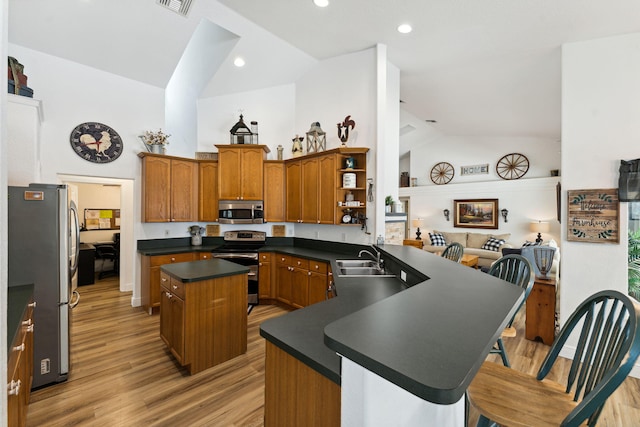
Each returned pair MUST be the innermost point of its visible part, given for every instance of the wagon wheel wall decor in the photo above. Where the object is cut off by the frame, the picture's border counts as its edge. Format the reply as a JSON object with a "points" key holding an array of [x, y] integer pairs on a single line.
{"points": [[442, 173], [512, 166]]}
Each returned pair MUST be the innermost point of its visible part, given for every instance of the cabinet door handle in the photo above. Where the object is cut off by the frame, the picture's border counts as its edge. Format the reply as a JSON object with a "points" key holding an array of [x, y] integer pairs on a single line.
{"points": [[26, 322], [169, 295], [259, 264], [205, 257], [174, 287], [164, 279], [19, 347], [32, 304], [173, 259], [308, 273], [14, 388], [299, 263], [30, 328]]}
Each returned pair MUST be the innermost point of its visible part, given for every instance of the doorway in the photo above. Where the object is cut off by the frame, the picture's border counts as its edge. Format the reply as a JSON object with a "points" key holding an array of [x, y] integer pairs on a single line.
{"points": [[127, 240]]}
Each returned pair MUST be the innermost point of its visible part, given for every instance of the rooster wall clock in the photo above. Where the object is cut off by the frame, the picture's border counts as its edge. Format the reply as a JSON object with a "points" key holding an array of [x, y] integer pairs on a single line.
{"points": [[96, 142]]}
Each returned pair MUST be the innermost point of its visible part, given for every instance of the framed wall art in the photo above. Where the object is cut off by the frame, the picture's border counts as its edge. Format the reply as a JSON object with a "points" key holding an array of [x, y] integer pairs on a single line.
{"points": [[593, 216], [476, 213], [474, 169]]}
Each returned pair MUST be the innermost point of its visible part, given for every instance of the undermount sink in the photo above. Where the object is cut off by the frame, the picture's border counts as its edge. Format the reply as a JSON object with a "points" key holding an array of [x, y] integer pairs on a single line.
{"points": [[355, 263], [360, 268]]}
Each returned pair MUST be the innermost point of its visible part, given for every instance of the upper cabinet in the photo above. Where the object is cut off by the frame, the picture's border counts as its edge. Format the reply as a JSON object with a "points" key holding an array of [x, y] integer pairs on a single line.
{"points": [[240, 171], [169, 188], [208, 191], [274, 191]]}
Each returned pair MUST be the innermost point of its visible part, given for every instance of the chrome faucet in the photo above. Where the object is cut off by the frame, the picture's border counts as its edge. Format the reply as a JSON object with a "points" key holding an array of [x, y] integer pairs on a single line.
{"points": [[375, 257]]}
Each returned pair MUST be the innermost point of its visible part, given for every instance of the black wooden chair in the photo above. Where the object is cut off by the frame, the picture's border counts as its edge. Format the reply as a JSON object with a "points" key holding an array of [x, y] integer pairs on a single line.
{"points": [[453, 252], [606, 351], [514, 269]]}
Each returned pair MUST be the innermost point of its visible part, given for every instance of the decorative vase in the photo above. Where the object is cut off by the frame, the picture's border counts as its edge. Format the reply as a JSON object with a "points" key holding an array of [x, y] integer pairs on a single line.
{"points": [[157, 148], [196, 240]]}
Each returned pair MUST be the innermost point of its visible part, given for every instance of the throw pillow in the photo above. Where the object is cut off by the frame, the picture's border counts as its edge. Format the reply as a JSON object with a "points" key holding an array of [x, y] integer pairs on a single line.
{"points": [[528, 243], [437, 239], [493, 244]]}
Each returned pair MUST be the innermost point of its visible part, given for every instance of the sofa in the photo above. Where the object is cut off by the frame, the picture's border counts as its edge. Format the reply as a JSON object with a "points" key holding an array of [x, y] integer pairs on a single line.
{"points": [[472, 243]]}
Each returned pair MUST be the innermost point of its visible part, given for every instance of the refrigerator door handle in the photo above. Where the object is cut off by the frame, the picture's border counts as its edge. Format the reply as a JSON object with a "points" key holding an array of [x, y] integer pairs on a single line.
{"points": [[74, 214], [73, 303]]}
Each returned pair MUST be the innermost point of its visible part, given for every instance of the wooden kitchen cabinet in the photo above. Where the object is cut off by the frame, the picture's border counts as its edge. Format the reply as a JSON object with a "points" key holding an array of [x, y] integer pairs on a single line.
{"points": [[172, 315], [20, 365], [297, 395], [318, 281], [150, 276], [208, 191], [293, 185], [240, 171], [274, 204], [299, 282], [284, 280], [204, 323], [310, 189], [169, 188], [266, 271], [359, 192]]}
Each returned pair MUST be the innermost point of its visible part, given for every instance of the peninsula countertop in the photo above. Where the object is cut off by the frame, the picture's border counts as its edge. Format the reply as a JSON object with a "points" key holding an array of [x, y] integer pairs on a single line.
{"points": [[195, 271], [429, 339]]}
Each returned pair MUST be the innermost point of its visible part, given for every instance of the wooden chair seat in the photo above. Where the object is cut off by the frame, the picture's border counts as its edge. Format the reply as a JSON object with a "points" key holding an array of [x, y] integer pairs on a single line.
{"points": [[509, 332], [513, 398]]}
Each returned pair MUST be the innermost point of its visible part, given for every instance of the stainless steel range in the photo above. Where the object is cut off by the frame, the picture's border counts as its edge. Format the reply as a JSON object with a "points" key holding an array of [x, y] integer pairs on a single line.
{"points": [[241, 247]]}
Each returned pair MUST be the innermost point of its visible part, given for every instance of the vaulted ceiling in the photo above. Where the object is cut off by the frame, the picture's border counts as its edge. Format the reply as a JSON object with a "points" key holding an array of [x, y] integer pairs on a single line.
{"points": [[489, 67]]}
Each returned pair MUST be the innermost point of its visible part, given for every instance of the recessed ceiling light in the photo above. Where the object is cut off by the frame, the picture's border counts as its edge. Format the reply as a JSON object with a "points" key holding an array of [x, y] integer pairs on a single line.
{"points": [[321, 3], [404, 28], [238, 62]]}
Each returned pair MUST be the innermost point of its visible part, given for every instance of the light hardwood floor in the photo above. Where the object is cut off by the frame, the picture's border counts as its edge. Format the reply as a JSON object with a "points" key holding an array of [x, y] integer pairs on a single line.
{"points": [[122, 374]]}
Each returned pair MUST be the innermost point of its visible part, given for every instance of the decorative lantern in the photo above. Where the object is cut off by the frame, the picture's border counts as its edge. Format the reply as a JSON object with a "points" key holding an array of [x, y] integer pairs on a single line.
{"points": [[316, 138], [240, 133]]}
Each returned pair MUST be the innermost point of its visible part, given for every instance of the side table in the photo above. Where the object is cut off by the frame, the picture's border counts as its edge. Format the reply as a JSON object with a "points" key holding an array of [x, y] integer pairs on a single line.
{"points": [[541, 311], [470, 260]]}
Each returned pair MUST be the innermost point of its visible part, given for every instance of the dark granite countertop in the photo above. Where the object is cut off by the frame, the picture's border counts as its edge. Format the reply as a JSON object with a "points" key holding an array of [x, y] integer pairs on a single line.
{"points": [[17, 299], [195, 271], [428, 336]]}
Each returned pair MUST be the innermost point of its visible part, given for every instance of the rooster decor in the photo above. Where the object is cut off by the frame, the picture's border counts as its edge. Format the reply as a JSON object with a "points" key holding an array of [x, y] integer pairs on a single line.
{"points": [[344, 126]]}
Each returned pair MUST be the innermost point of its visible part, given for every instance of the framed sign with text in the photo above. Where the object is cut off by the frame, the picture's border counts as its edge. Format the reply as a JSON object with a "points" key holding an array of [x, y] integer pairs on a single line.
{"points": [[593, 216]]}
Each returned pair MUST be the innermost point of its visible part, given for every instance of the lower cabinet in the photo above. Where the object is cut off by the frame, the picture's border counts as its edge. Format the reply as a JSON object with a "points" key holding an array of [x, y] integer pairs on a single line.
{"points": [[150, 276], [266, 271], [204, 323], [297, 395], [299, 281], [20, 370]]}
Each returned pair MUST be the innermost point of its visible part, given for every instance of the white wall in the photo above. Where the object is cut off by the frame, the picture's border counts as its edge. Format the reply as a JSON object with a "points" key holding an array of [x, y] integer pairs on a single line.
{"points": [[526, 199], [600, 126]]}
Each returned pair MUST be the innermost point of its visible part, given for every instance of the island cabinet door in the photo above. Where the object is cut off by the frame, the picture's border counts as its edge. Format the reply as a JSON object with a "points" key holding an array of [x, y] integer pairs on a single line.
{"points": [[318, 281], [172, 320]]}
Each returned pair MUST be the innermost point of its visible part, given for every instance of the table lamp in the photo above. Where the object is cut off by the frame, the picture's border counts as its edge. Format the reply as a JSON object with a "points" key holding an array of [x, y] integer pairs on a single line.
{"points": [[539, 227], [417, 223]]}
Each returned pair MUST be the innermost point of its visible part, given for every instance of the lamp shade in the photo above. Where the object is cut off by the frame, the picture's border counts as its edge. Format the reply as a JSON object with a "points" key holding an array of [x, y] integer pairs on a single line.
{"points": [[539, 227], [416, 222]]}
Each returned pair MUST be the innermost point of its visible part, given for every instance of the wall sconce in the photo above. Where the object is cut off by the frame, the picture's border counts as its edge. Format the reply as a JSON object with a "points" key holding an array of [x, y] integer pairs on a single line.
{"points": [[417, 223], [446, 214], [504, 213]]}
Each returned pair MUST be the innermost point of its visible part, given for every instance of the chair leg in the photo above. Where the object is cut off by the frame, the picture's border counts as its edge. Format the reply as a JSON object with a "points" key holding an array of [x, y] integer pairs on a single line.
{"points": [[503, 353], [484, 422]]}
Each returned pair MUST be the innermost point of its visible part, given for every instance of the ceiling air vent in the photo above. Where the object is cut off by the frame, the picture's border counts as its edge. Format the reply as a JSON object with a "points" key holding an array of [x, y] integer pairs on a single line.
{"points": [[178, 6]]}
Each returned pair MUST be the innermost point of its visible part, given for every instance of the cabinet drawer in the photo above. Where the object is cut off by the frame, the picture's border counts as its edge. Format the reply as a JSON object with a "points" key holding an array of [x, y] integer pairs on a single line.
{"points": [[302, 263], [171, 258], [177, 287], [165, 281], [283, 259], [318, 267], [265, 256]]}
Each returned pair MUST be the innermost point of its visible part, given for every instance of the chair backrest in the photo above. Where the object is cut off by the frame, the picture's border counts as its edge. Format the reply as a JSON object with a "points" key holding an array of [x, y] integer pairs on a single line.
{"points": [[608, 347], [515, 269], [106, 251], [453, 252]]}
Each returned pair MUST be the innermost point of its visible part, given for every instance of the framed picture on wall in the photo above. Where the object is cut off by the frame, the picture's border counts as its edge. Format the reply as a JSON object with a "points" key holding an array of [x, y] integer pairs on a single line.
{"points": [[475, 213]]}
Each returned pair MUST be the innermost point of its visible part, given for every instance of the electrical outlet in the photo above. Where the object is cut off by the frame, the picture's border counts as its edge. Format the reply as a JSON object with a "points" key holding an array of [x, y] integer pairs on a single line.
{"points": [[344, 237], [166, 233], [317, 234], [45, 366], [403, 275]]}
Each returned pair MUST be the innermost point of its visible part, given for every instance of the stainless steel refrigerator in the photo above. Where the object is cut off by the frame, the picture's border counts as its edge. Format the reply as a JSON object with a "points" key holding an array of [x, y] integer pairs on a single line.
{"points": [[43, 250]]}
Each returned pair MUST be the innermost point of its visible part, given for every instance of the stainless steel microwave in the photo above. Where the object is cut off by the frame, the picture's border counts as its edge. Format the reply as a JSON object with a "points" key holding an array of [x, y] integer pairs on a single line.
{"points": [[240, 212]]}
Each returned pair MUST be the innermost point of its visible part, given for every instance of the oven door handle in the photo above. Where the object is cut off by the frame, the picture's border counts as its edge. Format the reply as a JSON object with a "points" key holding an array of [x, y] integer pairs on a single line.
{"points": [[237, 256]]}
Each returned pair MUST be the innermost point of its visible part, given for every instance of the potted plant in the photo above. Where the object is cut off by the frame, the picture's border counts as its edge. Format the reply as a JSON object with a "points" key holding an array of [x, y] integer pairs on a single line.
{"points": [[155, 141], [388, 202], [634, 264]]}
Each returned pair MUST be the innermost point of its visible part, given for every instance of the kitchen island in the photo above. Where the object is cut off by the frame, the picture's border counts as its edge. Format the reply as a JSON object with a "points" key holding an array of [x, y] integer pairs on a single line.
{"points": [[203, 312], [428, 339]]}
